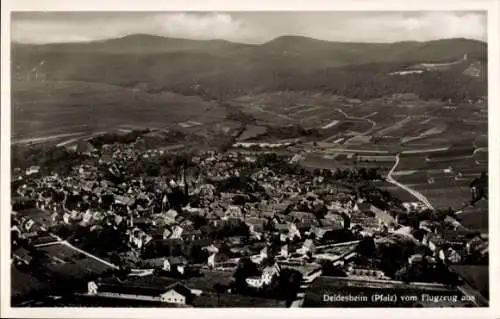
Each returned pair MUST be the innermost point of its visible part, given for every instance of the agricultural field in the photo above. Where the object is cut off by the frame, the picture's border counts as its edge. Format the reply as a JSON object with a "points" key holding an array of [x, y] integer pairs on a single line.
{"points": [[61, 107], [443, 194], [68, 260], [252, 131], [396, 191], [344, 161], [476, 217], [61, 252]]}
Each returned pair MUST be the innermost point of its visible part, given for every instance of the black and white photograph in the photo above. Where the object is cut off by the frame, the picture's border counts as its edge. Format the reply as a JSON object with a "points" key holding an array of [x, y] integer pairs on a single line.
{"points": [[248, 159]]}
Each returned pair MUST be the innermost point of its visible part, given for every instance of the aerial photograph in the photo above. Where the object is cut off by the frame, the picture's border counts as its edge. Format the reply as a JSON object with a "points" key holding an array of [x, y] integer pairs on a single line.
{"points": [[249, 159]]}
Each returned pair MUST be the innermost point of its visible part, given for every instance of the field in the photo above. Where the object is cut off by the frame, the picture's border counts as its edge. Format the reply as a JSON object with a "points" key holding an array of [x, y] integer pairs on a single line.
{"points": [[252, 131], [68, 261], [476, 217], [61, 107], [397, 192], [343, 161], [209, 279]]}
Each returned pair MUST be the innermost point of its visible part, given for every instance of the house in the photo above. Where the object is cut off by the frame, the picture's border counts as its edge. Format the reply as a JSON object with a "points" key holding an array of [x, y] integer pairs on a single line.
{"points": [[256, 224], [473, 244], [233, 212], [118, 220], [268, 274], [149, 288], [211, 249], [362, 273], [166, 263], [124, 200], [178, 262], [178, 294], [264, 252], [177, 232], [428, 226], [433, 241], [284, 251], [32, 170], [413, 206], [191, 234], [255, 282], [179, 219], [216, 258], [170, 216], [450, 255], [235, 240], [187, 224], [139, 238], [303, 217], [163, 233], [307, 247], [383, 217], [281, 228]]}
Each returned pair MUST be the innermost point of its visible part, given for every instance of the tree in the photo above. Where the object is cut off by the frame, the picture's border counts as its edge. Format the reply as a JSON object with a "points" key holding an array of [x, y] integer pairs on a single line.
{"points": [[328, 174], [363, 174], [337, 174], [288, 284], [328, 269], [317, 172], [246, 268], [367, 247], [372, 173]]}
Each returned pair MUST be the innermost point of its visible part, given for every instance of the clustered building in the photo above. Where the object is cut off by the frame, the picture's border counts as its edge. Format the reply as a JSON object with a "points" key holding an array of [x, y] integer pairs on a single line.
{"points": [[209, 214]]}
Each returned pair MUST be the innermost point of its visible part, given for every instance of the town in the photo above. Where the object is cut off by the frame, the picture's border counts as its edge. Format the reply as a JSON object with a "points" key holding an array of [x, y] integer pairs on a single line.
{"points": [[116, 220]]}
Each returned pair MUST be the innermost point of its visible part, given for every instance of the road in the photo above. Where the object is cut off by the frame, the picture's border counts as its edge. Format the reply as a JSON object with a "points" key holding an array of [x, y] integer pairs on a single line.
{"points": [[282, 116], [364, 118], [416, 194], [348, 117]]}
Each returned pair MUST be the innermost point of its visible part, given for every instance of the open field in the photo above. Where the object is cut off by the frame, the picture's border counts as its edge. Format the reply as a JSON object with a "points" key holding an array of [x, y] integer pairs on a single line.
{"points": [[445, 196], [476, 217], [67, 260], [343, 161], [60, 107]]}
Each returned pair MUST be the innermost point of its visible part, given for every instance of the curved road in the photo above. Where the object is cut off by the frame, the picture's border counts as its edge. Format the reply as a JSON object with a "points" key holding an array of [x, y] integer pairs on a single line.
{"points": [[418, 195], [348, 117], [364, 118]]}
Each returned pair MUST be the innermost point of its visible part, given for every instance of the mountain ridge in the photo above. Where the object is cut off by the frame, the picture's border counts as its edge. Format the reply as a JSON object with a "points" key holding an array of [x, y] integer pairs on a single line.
{"points": [[217, 68], [278, 38]]}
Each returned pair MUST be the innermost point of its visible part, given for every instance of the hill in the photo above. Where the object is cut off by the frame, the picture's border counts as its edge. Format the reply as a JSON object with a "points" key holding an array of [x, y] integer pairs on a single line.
{"points": [[219, 69], [136, 44]]}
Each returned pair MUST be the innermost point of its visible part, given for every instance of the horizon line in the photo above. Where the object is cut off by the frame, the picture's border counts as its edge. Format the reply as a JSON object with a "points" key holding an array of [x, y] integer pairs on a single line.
{"points": [[236, 42]]}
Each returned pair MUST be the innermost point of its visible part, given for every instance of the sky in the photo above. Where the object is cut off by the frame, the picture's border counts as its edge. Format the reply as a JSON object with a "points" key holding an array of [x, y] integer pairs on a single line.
{"points": [[249, 27]]}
